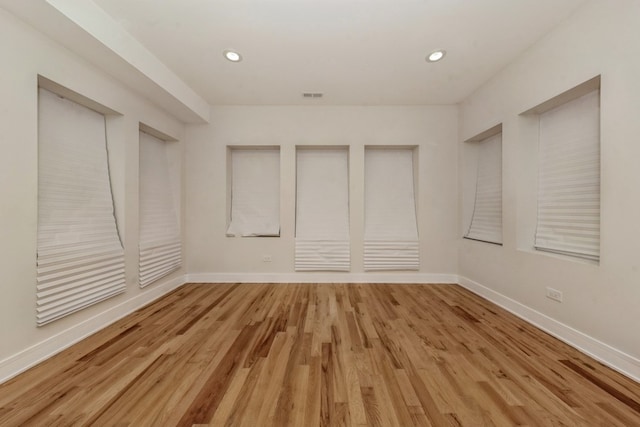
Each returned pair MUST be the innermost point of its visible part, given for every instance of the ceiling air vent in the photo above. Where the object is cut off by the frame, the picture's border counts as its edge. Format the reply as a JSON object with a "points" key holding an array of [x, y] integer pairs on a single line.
{"points": [[312, 95]]}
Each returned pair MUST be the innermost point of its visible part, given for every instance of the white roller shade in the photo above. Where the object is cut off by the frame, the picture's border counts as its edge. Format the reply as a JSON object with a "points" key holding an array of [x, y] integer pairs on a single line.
{"points": [[255, 192], [322, 210], [569, 179], [486, 222], [80, 259], [160, 245], [391, 231]]}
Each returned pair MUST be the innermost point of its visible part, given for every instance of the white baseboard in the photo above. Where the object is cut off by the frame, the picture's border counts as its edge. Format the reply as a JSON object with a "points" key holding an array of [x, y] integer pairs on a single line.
{"points": [[612, 357], [20, 362], [322, 277], [604, 353]]}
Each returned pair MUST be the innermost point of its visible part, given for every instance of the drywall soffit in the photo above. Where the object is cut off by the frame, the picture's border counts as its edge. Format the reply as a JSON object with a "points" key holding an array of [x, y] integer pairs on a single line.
{"points": [[84, 28]]}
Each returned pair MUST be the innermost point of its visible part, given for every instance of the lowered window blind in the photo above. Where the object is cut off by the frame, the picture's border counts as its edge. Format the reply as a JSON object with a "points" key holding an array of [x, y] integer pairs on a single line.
{"points": [[160, 244], [391, 231], [322, 210], [255, 192], [80, 259], [486, 222], [569, 179]]}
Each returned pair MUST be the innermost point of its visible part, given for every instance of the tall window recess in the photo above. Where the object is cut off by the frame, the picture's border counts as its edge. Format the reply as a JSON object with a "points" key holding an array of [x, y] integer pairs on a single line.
{"points": [[486, 220], [80, 259], [160, 247], [391, 231], [322, 210], [255, 192], [569, 179]]}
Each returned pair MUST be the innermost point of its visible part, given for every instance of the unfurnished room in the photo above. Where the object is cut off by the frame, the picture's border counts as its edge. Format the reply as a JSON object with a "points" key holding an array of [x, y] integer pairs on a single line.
{"points": [[320, 213]]}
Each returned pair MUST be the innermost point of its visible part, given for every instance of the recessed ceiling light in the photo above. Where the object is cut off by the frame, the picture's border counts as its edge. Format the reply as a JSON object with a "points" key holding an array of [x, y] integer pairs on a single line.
{"points": [[436, 55], [232, 55]]}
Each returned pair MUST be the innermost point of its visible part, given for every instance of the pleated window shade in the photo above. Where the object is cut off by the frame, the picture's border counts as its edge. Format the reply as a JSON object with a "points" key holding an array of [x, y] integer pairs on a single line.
{"points": [[322, 210], [391, 231], [80, 259], [569, 179], [160, 245], [255, 192], [486, 222]]}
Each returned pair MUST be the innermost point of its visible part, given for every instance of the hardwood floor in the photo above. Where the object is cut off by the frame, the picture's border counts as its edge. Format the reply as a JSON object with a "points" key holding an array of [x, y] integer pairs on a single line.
{"points": [[315, 355]]}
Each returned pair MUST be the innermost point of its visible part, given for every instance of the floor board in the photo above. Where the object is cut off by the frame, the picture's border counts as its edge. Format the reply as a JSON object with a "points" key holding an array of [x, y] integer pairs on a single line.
{"points": [[320, 355]]}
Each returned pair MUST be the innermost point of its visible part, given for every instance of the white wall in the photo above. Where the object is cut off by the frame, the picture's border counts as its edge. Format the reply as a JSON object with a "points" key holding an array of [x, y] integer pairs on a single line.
{"points": [[601, 301], [26, 53], [432, 129]]}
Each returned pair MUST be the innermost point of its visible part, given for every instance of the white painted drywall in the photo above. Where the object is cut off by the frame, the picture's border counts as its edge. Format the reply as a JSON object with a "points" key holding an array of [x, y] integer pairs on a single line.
{"points": [[26, 53], [432, 129], [602, 300]]}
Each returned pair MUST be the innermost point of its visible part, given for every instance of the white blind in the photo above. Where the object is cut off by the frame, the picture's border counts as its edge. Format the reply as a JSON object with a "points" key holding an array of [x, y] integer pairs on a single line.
{"points": [[569, 179], [80, 259], [160, 247], [486, 222], [322, 210], [255, 192], [391, 231]]}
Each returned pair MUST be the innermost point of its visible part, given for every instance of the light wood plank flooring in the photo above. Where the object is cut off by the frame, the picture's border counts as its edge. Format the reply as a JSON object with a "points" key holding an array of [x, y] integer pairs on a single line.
{"points": [[315, 355]]}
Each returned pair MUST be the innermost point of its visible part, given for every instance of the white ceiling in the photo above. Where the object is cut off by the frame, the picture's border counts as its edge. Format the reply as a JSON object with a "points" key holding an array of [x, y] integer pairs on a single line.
{"points": [[362, 52]]}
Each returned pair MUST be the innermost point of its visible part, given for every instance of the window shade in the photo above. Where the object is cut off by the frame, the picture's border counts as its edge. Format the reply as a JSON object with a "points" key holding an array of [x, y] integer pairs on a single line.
{"points": [[80, 259], [569, 179], [391, 232], [160, 247], [486, 222], [322, 210], [255, 192]]}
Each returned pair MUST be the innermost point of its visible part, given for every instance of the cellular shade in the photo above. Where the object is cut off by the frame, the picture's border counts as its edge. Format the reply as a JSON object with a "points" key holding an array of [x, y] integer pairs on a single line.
{"points": [[486, 221], [322, 210], [160, 247], [391, 231], [569, 179], [80, 259], [255, 192]]}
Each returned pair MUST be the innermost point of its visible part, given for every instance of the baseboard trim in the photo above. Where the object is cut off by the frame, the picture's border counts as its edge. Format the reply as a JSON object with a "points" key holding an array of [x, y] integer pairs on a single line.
{"points": [[604, 353], [20, 362], [303, 277]]}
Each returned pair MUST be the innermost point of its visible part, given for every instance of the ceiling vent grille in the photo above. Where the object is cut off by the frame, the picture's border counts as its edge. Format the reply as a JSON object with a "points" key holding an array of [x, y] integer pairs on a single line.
{"points": [[312, 95]]}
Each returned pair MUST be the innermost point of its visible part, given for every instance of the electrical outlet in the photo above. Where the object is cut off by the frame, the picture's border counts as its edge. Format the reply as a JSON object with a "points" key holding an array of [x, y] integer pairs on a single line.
{"points": [[266, 258], [554, 294]]}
